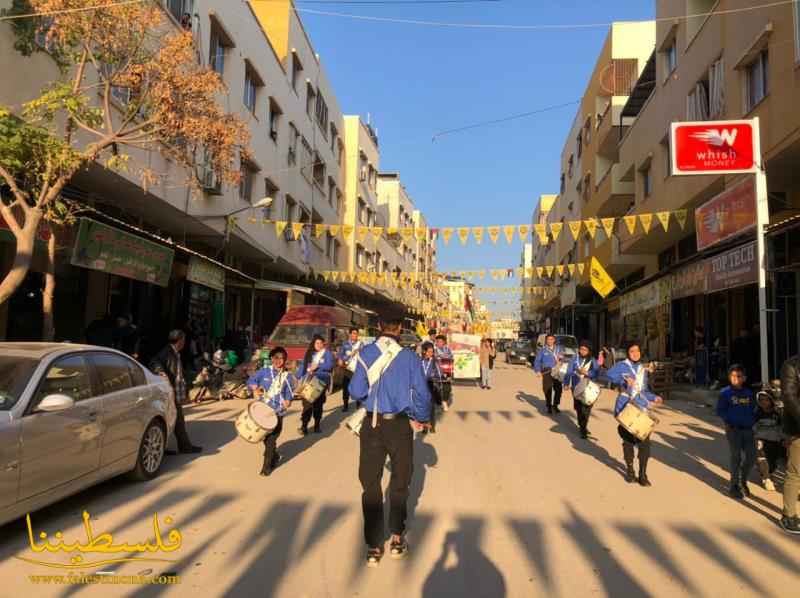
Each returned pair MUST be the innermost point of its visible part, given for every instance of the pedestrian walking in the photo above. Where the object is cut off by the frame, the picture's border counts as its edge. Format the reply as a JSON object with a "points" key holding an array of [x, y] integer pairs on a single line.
{"points": [[317, 363], [582, 366], [547, 359], [347, 360], [790, 394], [487, 354], [390, 380], [770, 438], [433, 375], [631, 377], [737, 408], [168, 364], [273, 385]]}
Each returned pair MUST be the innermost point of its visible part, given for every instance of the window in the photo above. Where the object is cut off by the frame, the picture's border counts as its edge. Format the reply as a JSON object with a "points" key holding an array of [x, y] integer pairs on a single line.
{"points": [[331, 191], [218, 44], [181, 9], [137, 375], [563, 183], [291, 204], [297, 70], [360, 257], [321, 112], [270, 190], [294, 135], [670, 58], [318, 171], [340, 155], [370, 218], [587, 130], [328, 244], [274, 115], [67, 376], [311, 96], [40, 36], [647, 182], [587, 187], [667, 157], [246, 184], [337, 245], [570, 166], [339, 201], [249, 92], [579, 142], [334, 135], [113, 372], [757, 80], [306, 159], [362, 211]]}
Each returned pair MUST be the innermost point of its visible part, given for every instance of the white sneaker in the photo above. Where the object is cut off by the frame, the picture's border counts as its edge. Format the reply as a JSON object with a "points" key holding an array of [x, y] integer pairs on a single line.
{"points": [[769, 485]]}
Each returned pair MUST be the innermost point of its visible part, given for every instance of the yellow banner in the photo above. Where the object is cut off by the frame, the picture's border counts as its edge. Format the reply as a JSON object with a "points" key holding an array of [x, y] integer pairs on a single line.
{"points": [[601, 281], [477, 232], [539, 271], [524, 231], [421, 232], [351, 276], [560, 269], [541, 232], [463, 234], [377, 232], [407, 233], [446, 234], [481, 274], [297, 228], [326, 275], [647, 221], [630, 222], [280, 227], [575, 228], [581, 268], [363, 231], [663, 218], [529, 272], [333, 229], [347, 230], [319, 229], [494, 233], [555, 229], [495, 274], [571, 268], [335, 276], [392, 230], [509, 231], [680, 216], [591, 226], [549, 270], [608, 226]]}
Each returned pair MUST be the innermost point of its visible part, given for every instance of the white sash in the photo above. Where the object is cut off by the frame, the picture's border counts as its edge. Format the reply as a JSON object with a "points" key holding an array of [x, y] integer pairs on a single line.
{"points": [[317, 357], [639, 385], [277, 384], [389, 349]]}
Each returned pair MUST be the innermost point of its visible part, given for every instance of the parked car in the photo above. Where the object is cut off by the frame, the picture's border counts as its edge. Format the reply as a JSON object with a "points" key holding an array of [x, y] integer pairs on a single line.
{"points": [[72, 416], [520, 351], [567, 342]]}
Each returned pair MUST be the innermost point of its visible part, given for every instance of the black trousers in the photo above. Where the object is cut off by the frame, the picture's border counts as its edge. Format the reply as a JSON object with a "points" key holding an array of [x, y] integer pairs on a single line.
{"points": [[436, 396], [181, 435], [552, 390], [346, 389], [271, 446], [583, 411], [315, 411], [393, 437], [629, 441]]}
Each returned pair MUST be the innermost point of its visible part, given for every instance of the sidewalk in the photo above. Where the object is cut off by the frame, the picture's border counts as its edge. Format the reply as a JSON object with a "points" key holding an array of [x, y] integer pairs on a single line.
{"points": [[697, 394]]}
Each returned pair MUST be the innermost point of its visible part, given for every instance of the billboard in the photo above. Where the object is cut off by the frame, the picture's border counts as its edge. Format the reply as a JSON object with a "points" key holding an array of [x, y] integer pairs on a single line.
{"points": [[713, 147]]}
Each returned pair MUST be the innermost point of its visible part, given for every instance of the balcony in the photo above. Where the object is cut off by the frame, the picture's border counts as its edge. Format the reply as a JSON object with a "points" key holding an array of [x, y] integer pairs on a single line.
{"points": [[612, 196], [610, 128], [617, 264]]}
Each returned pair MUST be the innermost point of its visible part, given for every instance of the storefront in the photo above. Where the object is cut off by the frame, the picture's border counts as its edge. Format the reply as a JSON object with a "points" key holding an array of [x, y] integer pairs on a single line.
{"points": [[689, 285], [646, 317], [784, 260]]}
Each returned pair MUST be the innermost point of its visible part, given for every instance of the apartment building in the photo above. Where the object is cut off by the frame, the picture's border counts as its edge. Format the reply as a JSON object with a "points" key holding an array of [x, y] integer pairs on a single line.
{"points": [[728, 65], [227, 272], [539, 305]]}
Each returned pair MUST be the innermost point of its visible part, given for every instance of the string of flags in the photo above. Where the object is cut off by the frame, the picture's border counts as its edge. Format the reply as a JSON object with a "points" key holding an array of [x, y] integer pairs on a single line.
{"points": [[545, 233]]}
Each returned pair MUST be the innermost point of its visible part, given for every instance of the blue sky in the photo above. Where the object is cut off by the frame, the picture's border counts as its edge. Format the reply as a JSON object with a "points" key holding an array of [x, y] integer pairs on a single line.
{"points": [[416, 81]]}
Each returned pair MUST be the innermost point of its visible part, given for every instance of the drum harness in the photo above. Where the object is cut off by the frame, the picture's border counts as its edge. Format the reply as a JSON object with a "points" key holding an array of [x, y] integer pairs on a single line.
{"points": [[389, 349], [277, 384], [639, 376]]}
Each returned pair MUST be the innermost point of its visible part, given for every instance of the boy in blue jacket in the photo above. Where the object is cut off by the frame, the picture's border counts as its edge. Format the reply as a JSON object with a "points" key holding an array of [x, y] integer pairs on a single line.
{"points": [[737, 408], [547, 359], [583, 365]]}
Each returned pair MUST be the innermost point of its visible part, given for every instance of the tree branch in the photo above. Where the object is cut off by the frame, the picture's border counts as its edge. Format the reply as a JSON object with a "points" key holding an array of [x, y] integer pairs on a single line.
{"points": [[19, 199], [48, 170]]}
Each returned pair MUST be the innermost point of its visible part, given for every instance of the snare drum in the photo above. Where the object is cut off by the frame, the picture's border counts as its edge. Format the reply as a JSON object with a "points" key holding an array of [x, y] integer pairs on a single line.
{"points": [[560, 372], [255, 422], [637, 421], [587, 392], [310, 389]]}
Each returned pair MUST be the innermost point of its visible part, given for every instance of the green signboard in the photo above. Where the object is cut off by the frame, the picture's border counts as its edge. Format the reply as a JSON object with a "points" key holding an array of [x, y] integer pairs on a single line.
{"points": [[107, 249]]}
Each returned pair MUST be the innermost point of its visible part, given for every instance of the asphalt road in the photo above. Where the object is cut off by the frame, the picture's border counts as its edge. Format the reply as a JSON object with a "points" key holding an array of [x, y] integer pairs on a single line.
{"points": [[506, 501]]}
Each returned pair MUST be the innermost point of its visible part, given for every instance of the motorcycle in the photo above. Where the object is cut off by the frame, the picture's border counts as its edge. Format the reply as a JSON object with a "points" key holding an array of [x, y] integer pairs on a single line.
{"points": [[211, 378], [446, 367]]}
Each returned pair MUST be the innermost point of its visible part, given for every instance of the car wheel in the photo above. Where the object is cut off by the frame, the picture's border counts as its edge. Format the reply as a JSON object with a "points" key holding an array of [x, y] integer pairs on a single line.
{"points": [[151, 452]]}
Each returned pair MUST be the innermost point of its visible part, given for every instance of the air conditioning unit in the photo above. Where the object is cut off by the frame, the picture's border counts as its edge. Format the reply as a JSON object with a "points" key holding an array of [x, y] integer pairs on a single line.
{"points": [[210, 182]]}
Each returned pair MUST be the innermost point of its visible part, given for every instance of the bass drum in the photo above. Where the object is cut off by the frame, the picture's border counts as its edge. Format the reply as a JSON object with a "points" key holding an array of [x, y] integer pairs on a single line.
{"points": [[560, 372], [587, 392], [255, 422]]}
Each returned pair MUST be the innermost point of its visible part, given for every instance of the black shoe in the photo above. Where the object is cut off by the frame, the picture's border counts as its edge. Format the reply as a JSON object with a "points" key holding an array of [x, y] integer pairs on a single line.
{"points": [[584, 434], [630, 475], [746, 490], [556, 409], [791, 525], [549, 409], [275, 461], [643, 481], [374, 556], [345, 409], [303, 430], [190, 450], [736, 491], [317, 430], [398, 550], [265, 472]]}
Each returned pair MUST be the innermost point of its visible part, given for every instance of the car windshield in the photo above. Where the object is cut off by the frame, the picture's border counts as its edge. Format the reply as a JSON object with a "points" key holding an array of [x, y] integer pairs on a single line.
{"points": [[15, 372], [567, 342], [296, 335], [521, 345]]}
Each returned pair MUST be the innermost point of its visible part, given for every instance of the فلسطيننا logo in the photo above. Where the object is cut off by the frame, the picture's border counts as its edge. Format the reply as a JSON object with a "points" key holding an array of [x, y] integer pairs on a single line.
{"points": [[100, 544]]}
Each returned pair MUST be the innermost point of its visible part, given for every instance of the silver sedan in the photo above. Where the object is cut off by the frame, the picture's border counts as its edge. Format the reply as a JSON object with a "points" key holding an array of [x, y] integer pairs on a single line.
{"points": [[72, 416]]}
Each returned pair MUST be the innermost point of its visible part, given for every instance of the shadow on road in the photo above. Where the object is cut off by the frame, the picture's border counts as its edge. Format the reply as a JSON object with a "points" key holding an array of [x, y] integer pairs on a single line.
{"points": [[473, 573], [533, 401], [331, 422]]}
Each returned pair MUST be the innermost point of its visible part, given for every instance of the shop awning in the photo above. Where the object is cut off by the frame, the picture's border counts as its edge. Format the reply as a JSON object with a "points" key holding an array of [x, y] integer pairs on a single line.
{"points": [[272, 285]]}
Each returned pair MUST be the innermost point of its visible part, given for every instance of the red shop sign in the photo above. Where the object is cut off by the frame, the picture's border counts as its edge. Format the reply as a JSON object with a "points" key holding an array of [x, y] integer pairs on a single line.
{"points": [[714, 147], [730, 213]]}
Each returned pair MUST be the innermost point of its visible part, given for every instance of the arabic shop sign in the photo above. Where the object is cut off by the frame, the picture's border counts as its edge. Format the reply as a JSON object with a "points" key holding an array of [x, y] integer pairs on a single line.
{"points": [[644, 298], [205, 273], [734, 268], [691, 280], [107, 249], [99, 549]]}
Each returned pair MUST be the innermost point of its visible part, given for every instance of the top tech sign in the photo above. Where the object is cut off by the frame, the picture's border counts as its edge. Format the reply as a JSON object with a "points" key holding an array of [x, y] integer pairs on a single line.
{"points": [[714, 147]]}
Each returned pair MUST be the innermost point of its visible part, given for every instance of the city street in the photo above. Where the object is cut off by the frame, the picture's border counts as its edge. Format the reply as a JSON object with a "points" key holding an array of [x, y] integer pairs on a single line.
{"points": [[505, 501]]}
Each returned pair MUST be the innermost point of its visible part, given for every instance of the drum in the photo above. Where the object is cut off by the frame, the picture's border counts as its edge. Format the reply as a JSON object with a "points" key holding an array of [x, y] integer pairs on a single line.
{"points": [[587, 392], [310, 390], [637, 421], [355, 421], [560, 372], [352, 363], [255, 422]]}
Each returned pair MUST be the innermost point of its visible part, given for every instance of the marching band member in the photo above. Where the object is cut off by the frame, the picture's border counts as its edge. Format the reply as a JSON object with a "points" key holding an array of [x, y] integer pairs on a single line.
{"points": [[441, 350], [348, 352], [433, 374], [273, 385], [631, 377], [391, 382], [318, 363], [547, 359], [583, 365]]}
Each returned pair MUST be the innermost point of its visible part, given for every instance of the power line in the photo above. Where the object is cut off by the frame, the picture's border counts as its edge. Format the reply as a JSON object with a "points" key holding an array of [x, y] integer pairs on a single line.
{"points": [[505, 119], [539, 27], [64, 11]]}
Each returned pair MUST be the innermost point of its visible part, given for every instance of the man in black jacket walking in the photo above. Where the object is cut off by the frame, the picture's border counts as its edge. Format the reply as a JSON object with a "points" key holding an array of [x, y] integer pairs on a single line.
{"points": [[169, 365], [790, 393]]}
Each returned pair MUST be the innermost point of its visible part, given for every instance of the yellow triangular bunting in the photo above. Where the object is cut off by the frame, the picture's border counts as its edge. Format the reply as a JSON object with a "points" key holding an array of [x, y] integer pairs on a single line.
{"points": [[446, 234], [509, 231], [608, 226], [591, 226], [555, 229], [575, 228], [524, 231], [280, 226], [477, 232], [494, 233], [630, 223], [647, 221], [680, 216], [463, 235], [663, 218]]}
